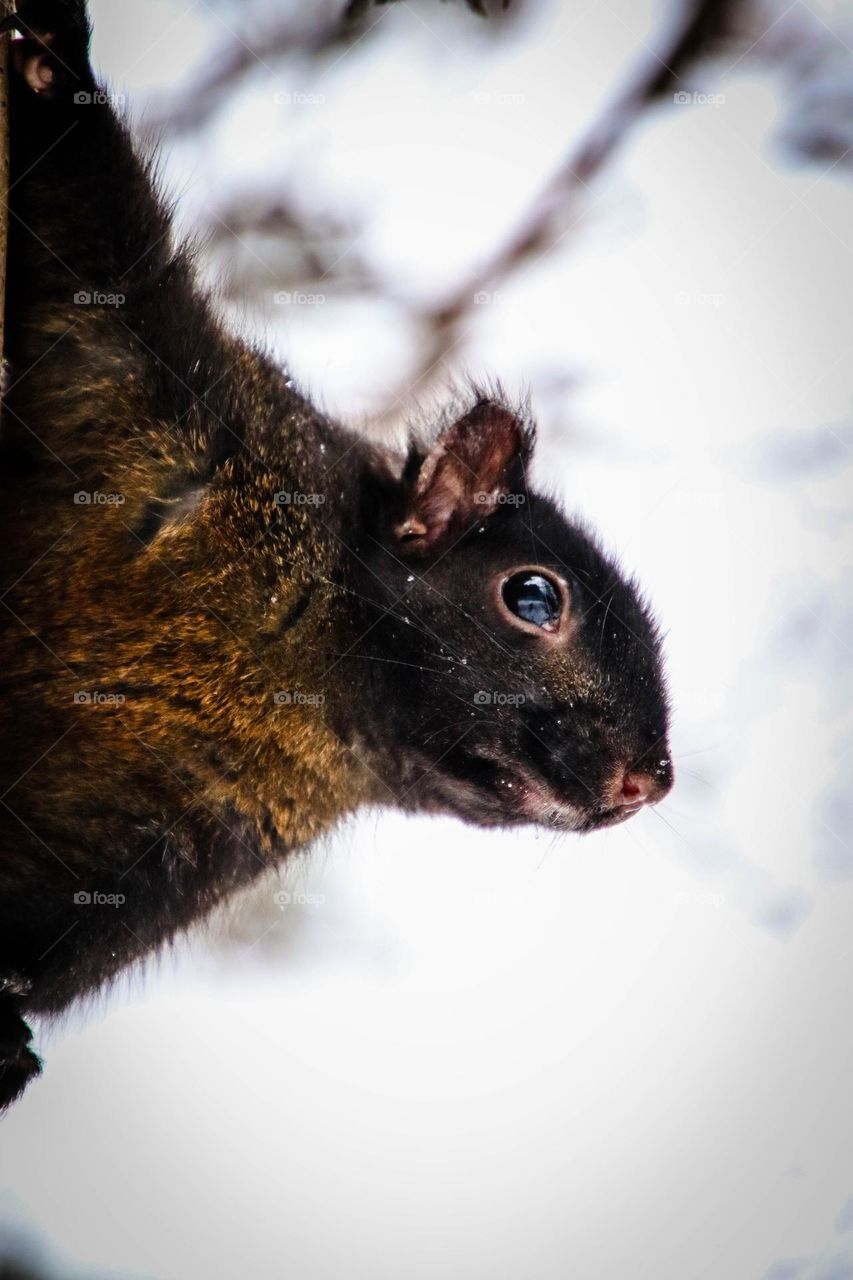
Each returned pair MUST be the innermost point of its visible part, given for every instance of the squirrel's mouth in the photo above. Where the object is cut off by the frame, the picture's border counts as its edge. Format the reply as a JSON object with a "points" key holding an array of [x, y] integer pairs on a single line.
{"points": [[483, 790], [541, 804]]}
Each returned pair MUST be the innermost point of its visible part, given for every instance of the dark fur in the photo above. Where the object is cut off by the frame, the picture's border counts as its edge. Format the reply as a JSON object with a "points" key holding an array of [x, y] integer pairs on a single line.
{"points": [[183, 610]]}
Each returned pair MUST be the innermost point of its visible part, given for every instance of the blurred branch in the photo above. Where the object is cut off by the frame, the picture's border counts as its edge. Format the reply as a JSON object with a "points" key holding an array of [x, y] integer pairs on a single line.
{"points": [[704, 26], [696, 33], [266, 36], [299, 249], [360, 7]]}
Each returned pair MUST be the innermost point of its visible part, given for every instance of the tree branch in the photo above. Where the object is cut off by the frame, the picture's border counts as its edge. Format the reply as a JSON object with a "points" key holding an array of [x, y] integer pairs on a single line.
{"points": [[705, 24]]}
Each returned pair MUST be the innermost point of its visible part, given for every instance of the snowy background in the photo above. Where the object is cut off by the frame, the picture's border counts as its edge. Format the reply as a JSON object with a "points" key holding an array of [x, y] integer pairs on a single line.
{"points": [[461, 1054]]}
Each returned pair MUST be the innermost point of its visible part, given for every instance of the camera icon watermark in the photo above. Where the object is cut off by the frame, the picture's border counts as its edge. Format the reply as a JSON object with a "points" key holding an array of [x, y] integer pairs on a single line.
{"points": [[287, 898], [99, 99], [298, 98], [97, 298], [484, 498], [697, 298], [298, 298], [83, 498], [96, 698], [683, 98], [496, 698], [700, 898], [83, 898], [287, 499], [497, 98], [297, 698]]}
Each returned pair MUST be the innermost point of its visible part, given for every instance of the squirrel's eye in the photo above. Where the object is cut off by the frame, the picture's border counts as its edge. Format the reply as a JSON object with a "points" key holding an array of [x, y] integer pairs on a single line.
{"points": [[533, 598]]}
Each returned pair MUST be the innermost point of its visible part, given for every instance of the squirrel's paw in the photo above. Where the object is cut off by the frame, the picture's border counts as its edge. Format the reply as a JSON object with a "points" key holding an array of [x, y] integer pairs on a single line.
{"points": [[18, 1064]]}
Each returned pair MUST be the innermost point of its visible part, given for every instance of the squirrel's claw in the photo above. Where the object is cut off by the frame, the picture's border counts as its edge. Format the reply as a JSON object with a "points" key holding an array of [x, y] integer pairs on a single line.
{"points": [[18, 1063]]}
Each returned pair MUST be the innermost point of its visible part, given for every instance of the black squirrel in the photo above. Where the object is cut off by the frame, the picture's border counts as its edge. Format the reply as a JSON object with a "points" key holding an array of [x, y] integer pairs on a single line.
{"points": [[229, 621]]}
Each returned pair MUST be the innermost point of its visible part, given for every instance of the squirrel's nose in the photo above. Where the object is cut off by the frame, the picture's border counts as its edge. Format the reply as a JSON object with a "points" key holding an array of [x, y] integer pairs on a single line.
{"points": [[637, 788]]}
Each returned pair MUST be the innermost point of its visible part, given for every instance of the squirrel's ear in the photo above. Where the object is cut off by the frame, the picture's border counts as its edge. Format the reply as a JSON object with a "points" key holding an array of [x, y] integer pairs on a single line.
{"points": [[471, 467], [51, 53]]}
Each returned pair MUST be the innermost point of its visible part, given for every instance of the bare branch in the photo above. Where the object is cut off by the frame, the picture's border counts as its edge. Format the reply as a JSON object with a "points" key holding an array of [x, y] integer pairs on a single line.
{"points": [[704, 25], [267, 38]]}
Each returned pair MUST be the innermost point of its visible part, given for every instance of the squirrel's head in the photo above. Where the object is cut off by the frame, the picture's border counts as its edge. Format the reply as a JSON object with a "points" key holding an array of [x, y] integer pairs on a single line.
{"points": [[510, 673]]}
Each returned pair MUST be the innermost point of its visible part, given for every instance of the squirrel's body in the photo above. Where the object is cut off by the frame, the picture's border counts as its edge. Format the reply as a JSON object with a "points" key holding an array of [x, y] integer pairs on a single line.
{"points": [[179, 794], [229, 621]]}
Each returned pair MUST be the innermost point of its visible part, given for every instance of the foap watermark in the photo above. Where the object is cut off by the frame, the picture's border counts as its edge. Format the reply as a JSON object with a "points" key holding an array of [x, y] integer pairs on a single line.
{"points": [[486, 498], [296, 499], [98, 698], [99, 99], [297, 698], [296, 898], [498, 98], [495, 698], [85, 498], [683, 98], [298, 98], [488, 298], [84, 898], [696, 298], [98, 298], [700, 898], [298, 298], [500, 897]]}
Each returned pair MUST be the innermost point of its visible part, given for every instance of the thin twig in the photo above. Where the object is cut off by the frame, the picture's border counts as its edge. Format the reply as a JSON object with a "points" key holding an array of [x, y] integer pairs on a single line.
{"points": [[704, 25]]}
